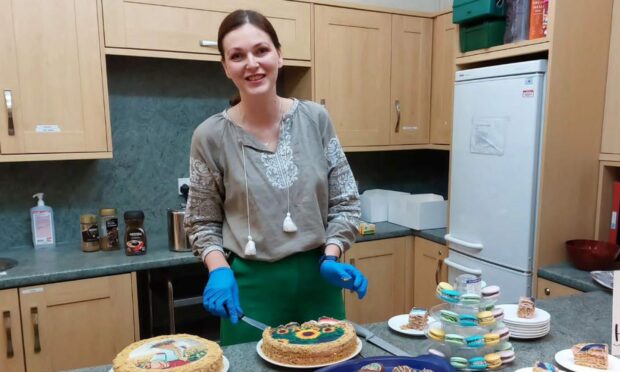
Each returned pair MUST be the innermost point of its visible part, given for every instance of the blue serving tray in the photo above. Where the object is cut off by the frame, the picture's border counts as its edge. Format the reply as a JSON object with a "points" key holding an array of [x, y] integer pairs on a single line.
{"points": [[432, 362]]}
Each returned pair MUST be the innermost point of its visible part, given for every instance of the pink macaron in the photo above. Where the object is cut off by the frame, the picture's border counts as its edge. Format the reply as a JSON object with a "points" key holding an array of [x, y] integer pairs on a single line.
{"points": [[490, 292], [507, 356], [498, 313], [504, 334]]}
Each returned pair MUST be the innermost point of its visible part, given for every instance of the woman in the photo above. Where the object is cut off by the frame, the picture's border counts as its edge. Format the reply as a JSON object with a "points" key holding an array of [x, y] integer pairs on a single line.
{"points": [[269, 183]]}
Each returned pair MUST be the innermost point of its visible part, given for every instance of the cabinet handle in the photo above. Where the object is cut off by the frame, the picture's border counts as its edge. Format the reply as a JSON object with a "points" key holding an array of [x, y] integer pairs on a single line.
{"points": [[8, 100], [322, 101], [208, 43], [9, 338], [548, 291], [171, 307], [397, 105], [34, 315], [352, 261], [438, 270]]}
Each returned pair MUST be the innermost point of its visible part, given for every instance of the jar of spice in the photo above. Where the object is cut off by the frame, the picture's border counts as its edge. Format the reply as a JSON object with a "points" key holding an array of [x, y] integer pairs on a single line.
{"points": [[108, 229], [90, 233], [135, 236]]}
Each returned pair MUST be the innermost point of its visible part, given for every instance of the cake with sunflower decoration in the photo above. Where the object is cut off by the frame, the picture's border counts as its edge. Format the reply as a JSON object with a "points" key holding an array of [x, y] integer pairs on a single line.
{"points": [[315, 342], [176, 353]]}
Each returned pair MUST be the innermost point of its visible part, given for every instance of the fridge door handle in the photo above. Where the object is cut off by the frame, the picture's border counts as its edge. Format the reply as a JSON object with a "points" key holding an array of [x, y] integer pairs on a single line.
{"points": [[464, 269], [463, 243]]}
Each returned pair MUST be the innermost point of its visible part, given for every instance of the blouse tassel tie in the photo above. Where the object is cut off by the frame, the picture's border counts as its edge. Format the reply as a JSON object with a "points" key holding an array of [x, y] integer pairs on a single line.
{"points": [[250, 246]]}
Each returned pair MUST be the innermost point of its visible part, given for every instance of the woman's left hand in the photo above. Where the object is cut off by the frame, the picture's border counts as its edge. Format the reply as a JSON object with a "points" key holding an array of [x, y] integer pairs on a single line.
{"points": [[344, 276]]}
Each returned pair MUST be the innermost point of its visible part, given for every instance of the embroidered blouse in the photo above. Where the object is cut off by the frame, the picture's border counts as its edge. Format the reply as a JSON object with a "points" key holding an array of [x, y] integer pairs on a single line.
{"points": [[307, 173]]}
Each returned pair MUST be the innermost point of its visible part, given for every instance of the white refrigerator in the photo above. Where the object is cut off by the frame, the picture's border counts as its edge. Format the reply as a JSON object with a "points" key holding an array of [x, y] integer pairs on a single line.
{"points": [[494, 173]]}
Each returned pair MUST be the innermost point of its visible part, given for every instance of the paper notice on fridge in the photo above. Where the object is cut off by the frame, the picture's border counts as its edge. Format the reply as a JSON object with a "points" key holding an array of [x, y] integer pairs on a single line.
{"points": [[488, 135], [615, 320]]}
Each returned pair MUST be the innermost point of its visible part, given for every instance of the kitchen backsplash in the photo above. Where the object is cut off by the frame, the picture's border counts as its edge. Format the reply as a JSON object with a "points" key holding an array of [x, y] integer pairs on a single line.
{"points": [[155, 104]]}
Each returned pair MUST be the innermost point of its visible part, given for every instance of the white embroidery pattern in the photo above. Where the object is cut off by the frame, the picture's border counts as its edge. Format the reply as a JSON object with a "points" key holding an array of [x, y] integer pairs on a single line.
{"points": [[280, 169], [334, 153]]}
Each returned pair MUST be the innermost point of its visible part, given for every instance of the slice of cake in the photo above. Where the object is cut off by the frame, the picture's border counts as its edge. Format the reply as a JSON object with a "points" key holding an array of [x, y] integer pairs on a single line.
{"points": [[177, 353], [311, 343], [591, 355], [527, 308], [417, 319]]}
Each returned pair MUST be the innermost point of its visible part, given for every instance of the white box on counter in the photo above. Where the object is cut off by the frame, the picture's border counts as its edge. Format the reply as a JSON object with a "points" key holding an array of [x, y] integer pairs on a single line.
{"points": [[374, 204], [419, 211]]}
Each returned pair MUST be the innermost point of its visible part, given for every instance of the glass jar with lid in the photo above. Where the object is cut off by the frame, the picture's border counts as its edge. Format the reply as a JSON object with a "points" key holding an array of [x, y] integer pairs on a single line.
{"points": [[135, 236], [90, 233], [108, 229]]}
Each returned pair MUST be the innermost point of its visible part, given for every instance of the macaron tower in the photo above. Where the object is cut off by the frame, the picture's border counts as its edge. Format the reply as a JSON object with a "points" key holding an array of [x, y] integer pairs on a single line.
{"points": [[469, 332]]}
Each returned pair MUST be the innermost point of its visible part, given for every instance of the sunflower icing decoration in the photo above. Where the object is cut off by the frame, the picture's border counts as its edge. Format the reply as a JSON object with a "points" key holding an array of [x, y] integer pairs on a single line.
{"points": [[310, 333]]}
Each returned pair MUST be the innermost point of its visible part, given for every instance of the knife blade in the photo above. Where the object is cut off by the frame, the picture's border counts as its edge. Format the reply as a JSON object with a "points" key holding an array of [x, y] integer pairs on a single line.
{"points": [[253, 322], [378, 341]]}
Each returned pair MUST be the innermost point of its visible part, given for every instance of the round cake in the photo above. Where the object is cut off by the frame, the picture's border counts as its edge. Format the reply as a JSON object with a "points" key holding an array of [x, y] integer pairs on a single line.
{"points": [[177, 353], [312, 343]]}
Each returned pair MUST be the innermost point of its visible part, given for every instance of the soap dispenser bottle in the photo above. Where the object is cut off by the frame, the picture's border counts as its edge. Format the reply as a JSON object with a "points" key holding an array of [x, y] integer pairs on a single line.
{"points": [[42, 223]]}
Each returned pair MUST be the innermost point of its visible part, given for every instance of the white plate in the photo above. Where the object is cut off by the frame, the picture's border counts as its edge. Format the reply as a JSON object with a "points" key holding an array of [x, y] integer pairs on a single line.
{"points": [[565, 359], [225, 367], [259, 350], [528, 369], [397, 321], [510, 316], [604, 278]]}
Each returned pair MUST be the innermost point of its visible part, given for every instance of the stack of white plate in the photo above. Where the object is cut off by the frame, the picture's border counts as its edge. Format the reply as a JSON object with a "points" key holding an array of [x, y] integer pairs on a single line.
{"points": [[523, 328]]}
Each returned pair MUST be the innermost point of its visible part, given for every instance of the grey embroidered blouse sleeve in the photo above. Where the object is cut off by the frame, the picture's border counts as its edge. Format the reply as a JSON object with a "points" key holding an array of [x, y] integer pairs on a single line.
{"points": [[204, 212], [344, 206]]}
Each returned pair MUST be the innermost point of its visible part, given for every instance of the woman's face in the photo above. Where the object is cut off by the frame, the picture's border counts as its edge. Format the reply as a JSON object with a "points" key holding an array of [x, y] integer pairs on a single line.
{"points": [[251, 60]]}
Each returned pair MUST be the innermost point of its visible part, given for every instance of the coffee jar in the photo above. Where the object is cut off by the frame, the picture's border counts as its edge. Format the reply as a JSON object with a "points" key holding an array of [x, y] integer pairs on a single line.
{"points": [[108, 229], [90, 233], [135, 236]]}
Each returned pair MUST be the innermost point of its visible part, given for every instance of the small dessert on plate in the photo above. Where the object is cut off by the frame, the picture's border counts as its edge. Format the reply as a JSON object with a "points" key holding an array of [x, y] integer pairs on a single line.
{"points": [[417, 319], [591, 355], [373, 367], [527, 308], [545, 367]]}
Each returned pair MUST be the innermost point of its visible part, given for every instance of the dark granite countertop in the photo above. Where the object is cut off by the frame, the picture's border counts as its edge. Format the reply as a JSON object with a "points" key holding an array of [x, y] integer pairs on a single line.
{"points": [[566, 274], [565, 332], [68, 262]]}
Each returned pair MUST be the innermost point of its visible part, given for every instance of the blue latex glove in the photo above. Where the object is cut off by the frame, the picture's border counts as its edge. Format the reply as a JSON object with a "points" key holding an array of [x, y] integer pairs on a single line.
{"points": [[344, 276], [221, 294]]}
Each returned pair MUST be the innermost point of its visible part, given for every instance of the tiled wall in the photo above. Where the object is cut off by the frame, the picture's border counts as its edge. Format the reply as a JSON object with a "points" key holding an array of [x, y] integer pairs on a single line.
{"points": [[155, 105]]}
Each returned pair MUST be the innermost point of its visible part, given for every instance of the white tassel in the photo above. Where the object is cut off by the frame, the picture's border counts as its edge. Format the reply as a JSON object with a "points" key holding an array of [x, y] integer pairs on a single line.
{"points": [[288, 225], [250, 247]]}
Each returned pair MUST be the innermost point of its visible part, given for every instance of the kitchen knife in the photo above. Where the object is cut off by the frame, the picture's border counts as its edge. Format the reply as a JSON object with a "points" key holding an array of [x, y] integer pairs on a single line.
{"points": [[252, 322], [372, 338]]}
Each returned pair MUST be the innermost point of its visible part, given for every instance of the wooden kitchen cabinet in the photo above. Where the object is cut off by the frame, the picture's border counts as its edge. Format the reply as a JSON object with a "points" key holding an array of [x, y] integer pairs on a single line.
{"points": [[428, 271], [384, 264], [155, 27], [548, 289], [52, 76], [445, 44], [68, 325], [11, 348], [365, 62], [611, 123]]}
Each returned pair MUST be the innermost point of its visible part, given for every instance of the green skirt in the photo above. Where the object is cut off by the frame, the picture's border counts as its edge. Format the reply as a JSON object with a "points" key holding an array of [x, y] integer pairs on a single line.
{"points": [[275, 293]]}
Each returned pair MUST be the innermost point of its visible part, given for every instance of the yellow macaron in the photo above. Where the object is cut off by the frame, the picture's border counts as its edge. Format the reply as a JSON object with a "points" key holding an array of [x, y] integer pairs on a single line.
{"points": [[485, 318], [493, 360], [443, 285], [491, 339], [437, 334]]}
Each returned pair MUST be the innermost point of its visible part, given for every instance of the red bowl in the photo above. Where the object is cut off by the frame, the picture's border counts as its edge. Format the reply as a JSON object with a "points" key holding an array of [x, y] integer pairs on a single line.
{"points": [[592, 254]]}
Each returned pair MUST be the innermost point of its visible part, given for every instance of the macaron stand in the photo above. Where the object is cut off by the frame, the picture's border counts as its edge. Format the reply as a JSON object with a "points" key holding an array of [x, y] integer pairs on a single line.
{"points": [[467, 332]]}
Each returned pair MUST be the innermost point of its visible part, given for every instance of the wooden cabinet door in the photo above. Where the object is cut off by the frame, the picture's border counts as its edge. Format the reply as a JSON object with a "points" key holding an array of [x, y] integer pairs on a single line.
{"points": [[548, 289], [76, 324], [11, 349], [383, 264], [444, 67], [181, 25], [611, 122], [51, 67], [412, 39], [352, 73], [428, 271]]}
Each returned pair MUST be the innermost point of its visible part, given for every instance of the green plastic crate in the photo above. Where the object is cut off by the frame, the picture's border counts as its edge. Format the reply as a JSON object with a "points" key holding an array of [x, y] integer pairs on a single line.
{"points": [[467, 11], [484, 34]]}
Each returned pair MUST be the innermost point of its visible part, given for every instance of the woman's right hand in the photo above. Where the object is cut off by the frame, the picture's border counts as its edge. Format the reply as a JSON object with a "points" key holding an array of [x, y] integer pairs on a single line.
{"points": [[221, 294]]}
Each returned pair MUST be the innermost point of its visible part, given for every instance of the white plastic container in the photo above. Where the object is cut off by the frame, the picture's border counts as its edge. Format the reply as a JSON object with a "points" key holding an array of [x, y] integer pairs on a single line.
{"points": [[374, 204], [42, 224], [419, 211]]}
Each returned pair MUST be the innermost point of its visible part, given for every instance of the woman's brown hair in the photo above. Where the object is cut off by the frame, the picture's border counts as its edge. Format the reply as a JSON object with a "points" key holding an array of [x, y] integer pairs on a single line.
{"points": [[237, 19]]}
